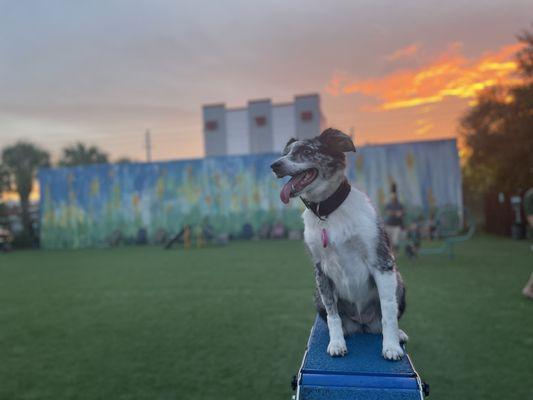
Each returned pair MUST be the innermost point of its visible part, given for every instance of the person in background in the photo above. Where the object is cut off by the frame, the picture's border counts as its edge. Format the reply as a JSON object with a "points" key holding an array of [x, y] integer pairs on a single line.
{"points": [[432, 226], [528, 209], [414, 238], [528, 289], [394, 214]]}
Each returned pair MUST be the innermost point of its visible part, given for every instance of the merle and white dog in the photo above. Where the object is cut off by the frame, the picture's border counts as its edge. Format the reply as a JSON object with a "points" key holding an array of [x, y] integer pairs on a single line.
{"points": [[358, 286]]}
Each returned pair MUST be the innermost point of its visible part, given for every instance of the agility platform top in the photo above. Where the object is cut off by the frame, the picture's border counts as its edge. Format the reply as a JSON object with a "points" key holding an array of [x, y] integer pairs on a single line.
{"points": [[361, 374]]}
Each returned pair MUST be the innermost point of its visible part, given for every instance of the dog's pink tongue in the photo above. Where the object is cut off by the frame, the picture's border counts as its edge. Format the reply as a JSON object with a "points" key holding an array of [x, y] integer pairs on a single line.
{"points": [[285, 193]]}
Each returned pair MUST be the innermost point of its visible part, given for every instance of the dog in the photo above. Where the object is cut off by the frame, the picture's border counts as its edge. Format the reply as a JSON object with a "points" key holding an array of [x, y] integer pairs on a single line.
{"points": [[358, 286]]}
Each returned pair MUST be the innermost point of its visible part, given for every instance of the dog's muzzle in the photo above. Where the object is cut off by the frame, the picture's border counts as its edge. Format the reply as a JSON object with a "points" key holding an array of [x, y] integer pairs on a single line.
{"points": [[277, 168]]}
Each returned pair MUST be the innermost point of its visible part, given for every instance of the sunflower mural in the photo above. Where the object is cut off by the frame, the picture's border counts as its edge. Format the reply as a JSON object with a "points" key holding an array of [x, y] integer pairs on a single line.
{"points": [[412, 177], [85, 206]]}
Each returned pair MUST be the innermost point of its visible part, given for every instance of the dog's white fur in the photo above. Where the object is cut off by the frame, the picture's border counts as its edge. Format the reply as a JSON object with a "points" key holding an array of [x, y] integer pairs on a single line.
{"points": [[350, 269]]}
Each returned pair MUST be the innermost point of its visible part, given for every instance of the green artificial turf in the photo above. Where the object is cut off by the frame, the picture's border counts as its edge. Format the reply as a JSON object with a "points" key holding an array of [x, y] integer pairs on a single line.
{"points": [[232, 322]]}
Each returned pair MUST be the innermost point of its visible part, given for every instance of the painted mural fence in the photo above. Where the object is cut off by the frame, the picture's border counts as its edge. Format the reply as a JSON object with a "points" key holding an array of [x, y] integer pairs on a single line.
{"points": [[85, 206]]}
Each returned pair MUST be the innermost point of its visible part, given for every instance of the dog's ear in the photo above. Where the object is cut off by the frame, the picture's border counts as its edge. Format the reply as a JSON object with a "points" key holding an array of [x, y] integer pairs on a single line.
{"points": [[291, 141], [336, 140], [286, 148]]}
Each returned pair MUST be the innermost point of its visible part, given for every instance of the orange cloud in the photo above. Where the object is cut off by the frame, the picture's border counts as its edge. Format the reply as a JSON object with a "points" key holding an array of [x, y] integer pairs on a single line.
{"points": [[404, 52], [450, 74]]}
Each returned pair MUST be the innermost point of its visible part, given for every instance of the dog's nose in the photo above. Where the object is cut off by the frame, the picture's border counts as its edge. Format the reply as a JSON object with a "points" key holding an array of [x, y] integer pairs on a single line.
{"points": [[276, 167]]}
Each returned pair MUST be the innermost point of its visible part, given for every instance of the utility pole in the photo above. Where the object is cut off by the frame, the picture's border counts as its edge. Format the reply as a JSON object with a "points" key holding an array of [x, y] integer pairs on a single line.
{"points": [[148, 146]]}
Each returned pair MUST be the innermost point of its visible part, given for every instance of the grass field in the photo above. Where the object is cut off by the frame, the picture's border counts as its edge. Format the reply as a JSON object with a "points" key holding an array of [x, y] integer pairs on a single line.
{"points": [[232, 322]]}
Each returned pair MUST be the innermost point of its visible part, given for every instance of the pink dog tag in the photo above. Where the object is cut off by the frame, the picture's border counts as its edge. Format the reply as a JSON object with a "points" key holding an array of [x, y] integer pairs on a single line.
{"points": [[325, 239]]}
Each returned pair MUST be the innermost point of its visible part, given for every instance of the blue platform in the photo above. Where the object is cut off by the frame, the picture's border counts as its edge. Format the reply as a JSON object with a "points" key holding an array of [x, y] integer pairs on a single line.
{"points": [[362, 374]]}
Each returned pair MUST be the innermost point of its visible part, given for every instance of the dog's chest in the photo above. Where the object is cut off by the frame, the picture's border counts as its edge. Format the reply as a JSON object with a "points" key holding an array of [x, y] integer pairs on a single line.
{"points": [[344, 259], [350, 250]]}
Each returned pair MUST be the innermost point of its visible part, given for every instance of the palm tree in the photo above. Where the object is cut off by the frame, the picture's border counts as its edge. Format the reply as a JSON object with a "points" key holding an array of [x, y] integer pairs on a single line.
{"points": [[80, 154], [5, 179], [22, 161]]}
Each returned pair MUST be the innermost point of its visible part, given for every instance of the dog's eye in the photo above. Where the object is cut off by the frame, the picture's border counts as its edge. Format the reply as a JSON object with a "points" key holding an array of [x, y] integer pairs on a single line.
{"points": [[308, 152]]}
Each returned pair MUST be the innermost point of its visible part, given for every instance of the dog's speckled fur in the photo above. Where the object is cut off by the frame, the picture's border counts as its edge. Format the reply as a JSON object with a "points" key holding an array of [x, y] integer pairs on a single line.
{"points": [[358, 287]]}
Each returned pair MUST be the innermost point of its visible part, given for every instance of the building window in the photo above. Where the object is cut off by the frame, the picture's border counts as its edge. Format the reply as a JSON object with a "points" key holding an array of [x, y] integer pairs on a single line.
{"points": [[211, 125], [306, 116], [260, 121]]}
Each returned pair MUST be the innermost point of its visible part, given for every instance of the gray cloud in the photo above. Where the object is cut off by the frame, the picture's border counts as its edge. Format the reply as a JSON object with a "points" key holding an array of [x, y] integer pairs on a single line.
{"points": [[92, 70]]}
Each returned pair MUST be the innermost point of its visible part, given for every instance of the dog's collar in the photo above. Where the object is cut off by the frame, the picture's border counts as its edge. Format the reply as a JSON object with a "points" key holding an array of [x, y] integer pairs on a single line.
{"points": [[323, 208]]}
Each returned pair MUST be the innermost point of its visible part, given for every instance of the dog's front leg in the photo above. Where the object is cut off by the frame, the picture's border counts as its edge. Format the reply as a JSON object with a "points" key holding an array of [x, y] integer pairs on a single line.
{"points": [[386, 283], [337, 344]]}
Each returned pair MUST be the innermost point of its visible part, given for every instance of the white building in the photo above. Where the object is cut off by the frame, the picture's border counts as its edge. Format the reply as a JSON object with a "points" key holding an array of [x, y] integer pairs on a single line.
{"points": [[261, 127]]}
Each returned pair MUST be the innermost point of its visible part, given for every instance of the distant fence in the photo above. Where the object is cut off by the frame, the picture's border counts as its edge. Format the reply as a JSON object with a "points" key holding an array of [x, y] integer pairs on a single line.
{"points": [[84, 206], [499, 213]]}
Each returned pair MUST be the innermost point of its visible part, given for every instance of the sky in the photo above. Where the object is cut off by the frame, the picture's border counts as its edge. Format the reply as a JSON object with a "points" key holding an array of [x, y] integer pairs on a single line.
{"points": [[103, 72]]}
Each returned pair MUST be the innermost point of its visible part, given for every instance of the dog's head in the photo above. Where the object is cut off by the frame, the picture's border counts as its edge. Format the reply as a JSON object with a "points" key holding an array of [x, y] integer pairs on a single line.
{"points": [[316, 166]]}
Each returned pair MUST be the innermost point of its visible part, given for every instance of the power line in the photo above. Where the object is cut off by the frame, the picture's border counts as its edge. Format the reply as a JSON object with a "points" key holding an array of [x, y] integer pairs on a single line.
{"points": [[148, 146]]}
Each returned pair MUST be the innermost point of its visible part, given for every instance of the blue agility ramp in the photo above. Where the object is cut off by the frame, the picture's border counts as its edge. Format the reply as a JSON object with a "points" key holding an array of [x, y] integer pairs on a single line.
{"points": [[362, 374]]}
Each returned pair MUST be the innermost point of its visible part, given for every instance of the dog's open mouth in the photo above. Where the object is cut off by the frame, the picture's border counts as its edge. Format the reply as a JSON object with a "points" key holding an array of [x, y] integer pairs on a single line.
{"points": [[297, 183]]}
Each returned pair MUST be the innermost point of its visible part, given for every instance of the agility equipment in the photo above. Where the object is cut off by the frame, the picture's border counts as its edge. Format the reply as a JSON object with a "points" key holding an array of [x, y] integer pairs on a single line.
{"points": [[453, 226], [361, 374]]}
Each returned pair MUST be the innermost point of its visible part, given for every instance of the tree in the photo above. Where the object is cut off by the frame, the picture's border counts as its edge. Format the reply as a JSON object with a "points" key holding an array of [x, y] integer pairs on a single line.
{"points": [[80, 154], [22, 161], [498, 133], [124, 160], [525, 56], [5, 185]]}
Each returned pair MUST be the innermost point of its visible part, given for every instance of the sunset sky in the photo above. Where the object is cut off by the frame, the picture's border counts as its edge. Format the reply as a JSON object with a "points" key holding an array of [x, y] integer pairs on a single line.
{"points": [[105, 71]]}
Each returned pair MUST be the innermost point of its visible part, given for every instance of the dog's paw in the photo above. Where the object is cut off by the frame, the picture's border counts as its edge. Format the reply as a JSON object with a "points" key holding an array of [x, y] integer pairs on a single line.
{"points": [[403, 336], [392, 351], [337, 348]]}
